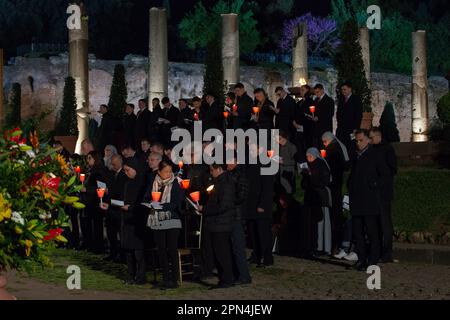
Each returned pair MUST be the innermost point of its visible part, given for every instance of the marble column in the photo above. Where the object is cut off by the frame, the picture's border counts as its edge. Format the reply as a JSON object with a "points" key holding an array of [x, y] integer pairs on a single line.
{"points": [[364, 42], [419, 98], [158, 81], [230, 48], [300, 56], [79, 70]]}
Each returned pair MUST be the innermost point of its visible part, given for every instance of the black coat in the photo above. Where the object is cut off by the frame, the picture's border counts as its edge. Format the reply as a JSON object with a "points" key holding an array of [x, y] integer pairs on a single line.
{"points": [[153, 126], [199, 177], [300, 117], [261, 188], [170, 114], [213, 117], [325, 112], [245, 104], [134, 220], [367, 179], [336, 160], [107, 130], [90, 198], [316, 182], [349, 116], [239, 177], [183, 118], [284, 118], [220, 210], [387, 154], [141, 128], [129, 124], [265, 116]]}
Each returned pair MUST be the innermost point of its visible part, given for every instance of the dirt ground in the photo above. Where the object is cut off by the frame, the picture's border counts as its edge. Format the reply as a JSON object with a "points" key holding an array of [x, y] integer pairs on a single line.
{"points": [[288, 279]]}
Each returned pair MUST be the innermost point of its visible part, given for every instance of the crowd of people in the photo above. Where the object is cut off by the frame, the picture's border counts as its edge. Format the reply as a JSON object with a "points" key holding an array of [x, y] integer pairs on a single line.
{"points": [[148, 209]]}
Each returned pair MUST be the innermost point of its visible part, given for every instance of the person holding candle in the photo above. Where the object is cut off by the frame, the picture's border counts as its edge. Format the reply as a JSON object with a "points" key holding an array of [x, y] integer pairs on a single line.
{"points": [[184, 115], [92, 218], [316, 181], [165, 221], [286, 178], [339, 161], [349, 114], [220, 212], [213, 116], [303, 134], [241, 117], [110, 150], [322, 119], [266, 113]]}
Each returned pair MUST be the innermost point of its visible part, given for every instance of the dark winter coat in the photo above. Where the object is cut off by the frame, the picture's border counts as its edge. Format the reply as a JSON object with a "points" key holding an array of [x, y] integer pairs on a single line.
{"points": [[387, 154], [220, 210], [261, 189], [128, 124], [316, 183], [266, 115], [367, 179], [349, 116], [239, 177], [245, 104], [284, 118], [213, 117], [325, 112], [141, 128], [336, 161]]}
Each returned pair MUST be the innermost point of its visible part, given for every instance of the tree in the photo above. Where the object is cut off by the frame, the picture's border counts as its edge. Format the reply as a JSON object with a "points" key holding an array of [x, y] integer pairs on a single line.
{"points": [[14, 118], [388, 125], [118, 94], [213, 82], [67, 122], [322, 36], [201, 26], [350, 65]]}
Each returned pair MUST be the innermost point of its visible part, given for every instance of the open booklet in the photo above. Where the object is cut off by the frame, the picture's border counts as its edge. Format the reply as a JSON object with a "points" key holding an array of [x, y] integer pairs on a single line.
{"points": [[117, 203], [194, 206]]}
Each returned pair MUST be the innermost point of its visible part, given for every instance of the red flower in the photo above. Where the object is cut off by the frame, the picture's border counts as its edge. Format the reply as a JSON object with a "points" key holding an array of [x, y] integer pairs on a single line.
{"points": [[52, 234], [53, 183], [34, 179]]}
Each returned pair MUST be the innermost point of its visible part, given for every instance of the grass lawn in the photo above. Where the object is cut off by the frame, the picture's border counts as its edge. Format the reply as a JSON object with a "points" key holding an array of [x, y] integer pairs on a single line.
{"points": [[421, 200]]}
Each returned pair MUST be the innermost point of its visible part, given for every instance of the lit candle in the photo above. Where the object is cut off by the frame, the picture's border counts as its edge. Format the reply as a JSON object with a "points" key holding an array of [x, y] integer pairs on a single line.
{"points": [[180, 164], [195, 196], [210, 188], [270, 153], [302, 81], [255, 110], [312, 109], [156, 196], [225, 114], [101, 194], [77, 169], [185, 184], [323, 153], [82, 177], [196, 116], [234, 108]]}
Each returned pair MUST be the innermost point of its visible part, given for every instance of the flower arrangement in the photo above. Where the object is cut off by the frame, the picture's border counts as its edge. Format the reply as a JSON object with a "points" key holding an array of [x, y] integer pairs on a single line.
{"points": [[36, 185]]}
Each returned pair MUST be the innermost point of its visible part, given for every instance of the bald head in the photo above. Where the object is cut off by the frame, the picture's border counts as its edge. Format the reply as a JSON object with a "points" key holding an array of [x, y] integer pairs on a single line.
{"points": [[116, 162]]}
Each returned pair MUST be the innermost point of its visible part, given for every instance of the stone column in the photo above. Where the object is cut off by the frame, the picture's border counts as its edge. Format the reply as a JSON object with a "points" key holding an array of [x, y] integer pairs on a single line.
{"points": [[79, 70], [2, 107], [364, 42], [300, 56], [419, 98], [158, 82], [230, 48]]}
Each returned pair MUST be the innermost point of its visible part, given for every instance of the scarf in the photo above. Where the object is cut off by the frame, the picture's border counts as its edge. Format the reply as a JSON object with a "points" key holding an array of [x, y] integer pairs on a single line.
{"points": [[165, 187]]}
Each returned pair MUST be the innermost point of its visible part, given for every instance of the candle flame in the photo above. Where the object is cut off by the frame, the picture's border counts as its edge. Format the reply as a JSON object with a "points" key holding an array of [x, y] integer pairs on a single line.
{"points": [[302, 81]]}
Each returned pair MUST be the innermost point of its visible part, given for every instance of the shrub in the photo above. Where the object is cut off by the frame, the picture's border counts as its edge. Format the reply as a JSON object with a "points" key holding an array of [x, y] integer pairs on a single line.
{"points": [[388, 126], [443, 109], [67, 122], [118, 94], [213, 77], [13, 117]]}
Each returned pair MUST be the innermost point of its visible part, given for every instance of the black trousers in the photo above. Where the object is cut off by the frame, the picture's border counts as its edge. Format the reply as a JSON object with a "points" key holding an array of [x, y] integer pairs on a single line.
{"points": [[221, 243], [387, 230], [262, 240], [367, 226], [112, 222], [92, 229], [337, 218], [136, 265], [300, 143], [74, 238], [207, 253], [167, 245]]}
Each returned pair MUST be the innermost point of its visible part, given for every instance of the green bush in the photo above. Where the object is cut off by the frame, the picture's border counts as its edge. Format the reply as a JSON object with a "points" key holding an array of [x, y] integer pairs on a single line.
{"points": [[350, 65], [388, 126], [118, 94], [13, 116], [67, 121], [443, 109], [213, 77]]}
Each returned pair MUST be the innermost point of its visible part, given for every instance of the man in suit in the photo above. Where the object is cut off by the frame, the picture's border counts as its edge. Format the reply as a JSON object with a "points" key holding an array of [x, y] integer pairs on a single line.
{"points": [[142, 122], [107, 129], [365, 184], [168, 120], [184, 115], [387, 154], [349, 114], [241, 117], [213, 114], [323, 116], [129, 123], [116, 182], [285, 113]]}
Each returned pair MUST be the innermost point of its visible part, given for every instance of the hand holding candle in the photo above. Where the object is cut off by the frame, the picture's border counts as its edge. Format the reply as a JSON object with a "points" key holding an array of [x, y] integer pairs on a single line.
{"points": [[82, 177], [255, 110], [101, 194], [226, 114], [312, 109], [77, 169], [195, 196], [270, 153], [323, 153]]}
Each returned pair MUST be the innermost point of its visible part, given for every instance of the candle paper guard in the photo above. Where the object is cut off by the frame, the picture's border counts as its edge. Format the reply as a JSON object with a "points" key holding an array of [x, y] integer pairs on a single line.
{"points": [[156, 196]]}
